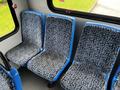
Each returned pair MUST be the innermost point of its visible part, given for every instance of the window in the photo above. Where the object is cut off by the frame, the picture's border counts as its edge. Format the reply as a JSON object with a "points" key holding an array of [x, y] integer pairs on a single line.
{"points": [[8, 20], [77, 5], [104, 10]]}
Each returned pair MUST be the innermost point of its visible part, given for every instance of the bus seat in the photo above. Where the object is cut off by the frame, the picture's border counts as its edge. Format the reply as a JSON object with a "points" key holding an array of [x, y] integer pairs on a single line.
{"points": [[9, 76], [95, 57], [32, 37], [59, 34]]}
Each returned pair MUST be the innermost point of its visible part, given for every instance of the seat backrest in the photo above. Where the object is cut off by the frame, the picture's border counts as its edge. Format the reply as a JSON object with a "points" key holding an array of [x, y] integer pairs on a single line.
{"points": [[32, 27], [98, 47], [59, 34]]}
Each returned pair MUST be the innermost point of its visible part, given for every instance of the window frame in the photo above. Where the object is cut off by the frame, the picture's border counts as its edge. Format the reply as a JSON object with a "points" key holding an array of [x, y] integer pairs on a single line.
{"points": [[14, 19], [98, 17]]}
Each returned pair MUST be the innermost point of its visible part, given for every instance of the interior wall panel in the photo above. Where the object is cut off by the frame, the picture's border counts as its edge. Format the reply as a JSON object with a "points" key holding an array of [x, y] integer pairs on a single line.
{"points": [[14, 40]]}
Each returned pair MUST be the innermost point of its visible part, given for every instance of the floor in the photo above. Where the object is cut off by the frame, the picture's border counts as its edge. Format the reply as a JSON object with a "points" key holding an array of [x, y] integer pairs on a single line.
{"points": [[117, 88], [33, 82]]}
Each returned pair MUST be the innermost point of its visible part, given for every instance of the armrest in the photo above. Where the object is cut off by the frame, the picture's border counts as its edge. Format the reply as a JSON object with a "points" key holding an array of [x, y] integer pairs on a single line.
{"points": [[16, 79]]}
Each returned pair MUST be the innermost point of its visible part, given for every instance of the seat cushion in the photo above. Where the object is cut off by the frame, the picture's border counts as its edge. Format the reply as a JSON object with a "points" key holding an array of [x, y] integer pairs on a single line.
{"points": [[82, 77], [22, 53], [46, 65], [5, 82]]}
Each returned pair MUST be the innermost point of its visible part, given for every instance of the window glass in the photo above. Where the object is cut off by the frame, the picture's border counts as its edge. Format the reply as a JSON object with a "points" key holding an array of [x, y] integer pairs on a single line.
{"points": [[7, 24], [104, 7]]}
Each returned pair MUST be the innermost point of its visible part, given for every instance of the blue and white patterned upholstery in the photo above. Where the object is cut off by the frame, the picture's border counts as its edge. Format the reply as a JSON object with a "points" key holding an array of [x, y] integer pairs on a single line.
{"points": [[94, 60], [59, 36], [32, 35]]}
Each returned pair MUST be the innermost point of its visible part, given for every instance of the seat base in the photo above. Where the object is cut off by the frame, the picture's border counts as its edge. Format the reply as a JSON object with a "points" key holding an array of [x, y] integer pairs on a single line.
{"points": [[82, 77], [46, 65], [22, 53]]}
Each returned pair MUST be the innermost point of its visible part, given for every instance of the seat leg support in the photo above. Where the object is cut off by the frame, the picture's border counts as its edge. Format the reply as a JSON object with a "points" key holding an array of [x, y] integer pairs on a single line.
{"points": [[51, 84]]}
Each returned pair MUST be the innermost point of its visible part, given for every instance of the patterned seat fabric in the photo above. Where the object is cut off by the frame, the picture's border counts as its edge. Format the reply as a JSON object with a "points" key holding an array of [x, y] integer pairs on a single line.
{"points": [[57, 47], [32, 28], [95, 56], [5, 81]]}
